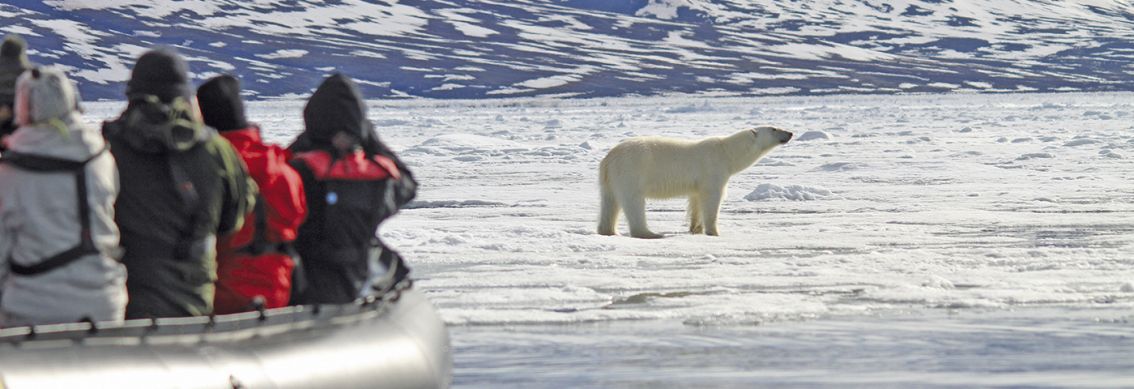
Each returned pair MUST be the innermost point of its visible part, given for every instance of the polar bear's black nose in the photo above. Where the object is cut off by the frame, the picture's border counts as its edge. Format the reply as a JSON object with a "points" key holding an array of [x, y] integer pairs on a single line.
{"points": [[785, 137]]}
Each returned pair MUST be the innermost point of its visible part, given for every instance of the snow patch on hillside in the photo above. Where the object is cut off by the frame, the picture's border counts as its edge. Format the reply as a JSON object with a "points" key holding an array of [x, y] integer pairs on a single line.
{"points": [[284, 53], [746, 48]]}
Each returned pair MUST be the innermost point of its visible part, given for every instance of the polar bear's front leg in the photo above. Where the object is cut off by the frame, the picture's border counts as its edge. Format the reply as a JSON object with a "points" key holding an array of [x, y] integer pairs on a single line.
{"points": [[710, 207], [695, 224]]}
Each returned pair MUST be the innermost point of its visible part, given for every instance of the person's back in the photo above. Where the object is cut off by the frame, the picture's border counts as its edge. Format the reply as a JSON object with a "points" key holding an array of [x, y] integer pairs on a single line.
{"points": [[182, 186], [352, 183], [58, 240], [257, 261], [13, 62]]}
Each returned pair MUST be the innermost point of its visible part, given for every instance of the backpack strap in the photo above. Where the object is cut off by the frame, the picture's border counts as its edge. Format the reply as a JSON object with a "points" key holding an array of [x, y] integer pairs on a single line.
{"points": [[86, 244], [260, 243]]}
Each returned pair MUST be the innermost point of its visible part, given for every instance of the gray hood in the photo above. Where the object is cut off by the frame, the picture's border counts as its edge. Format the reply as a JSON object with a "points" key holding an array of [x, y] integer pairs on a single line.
{"points": [[79, 143]]}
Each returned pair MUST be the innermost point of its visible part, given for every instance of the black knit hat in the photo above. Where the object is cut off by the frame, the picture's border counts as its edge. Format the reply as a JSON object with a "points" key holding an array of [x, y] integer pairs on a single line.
{"points": [[15, 48], [160, 72], [220, 102]]}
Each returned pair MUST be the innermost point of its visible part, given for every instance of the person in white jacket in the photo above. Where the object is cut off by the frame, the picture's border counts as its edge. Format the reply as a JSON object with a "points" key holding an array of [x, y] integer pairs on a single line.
{"points": [[58, 239]]}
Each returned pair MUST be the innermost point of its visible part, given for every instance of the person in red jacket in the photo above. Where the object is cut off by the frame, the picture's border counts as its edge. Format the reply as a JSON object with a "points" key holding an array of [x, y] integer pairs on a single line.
{"points": [[255, 264]]}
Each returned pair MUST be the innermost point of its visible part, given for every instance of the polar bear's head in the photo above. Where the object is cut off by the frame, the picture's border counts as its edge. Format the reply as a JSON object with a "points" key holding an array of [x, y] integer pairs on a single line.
{"points": [[768, 137]]}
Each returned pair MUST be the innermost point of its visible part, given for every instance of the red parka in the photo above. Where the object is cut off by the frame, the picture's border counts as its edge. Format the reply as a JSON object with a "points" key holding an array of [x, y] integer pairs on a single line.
{"points": [[247, 268]]}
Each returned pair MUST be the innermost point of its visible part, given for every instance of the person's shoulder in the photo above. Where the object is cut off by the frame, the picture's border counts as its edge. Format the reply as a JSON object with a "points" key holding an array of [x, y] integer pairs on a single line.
{"points": [[219, 148], [111, 128], [215, 143], [315, 160], [389, 165]]}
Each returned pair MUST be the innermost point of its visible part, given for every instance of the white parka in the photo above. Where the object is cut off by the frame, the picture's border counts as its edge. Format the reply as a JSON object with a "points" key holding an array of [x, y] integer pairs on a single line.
{"points": [[39, 218]]}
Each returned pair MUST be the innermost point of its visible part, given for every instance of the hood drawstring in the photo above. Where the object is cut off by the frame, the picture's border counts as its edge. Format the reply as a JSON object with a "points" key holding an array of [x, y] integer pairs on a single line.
{"points": [[61, 126]]}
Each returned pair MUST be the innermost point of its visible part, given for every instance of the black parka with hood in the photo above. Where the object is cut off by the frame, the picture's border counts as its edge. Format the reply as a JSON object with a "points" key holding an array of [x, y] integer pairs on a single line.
{"points": [[349, 193], [182, 185]]}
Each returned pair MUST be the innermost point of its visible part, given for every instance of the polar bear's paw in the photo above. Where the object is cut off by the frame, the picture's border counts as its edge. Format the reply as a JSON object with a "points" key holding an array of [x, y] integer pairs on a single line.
{"points": [[646, 235], [696, 228]]}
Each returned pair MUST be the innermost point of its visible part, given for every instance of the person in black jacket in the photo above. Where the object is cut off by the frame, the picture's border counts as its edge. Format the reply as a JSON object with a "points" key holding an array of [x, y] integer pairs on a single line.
{"points": [[352, 182], [182, 185], [13, 62]]}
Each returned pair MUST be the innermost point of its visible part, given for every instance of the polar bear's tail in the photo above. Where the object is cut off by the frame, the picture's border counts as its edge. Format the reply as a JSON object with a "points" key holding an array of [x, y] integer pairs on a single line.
{"points": [[608, 213]]}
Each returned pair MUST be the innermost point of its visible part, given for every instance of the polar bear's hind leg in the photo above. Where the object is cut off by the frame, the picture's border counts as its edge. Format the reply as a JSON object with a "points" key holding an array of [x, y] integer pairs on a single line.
{"points": [[608, 214]]}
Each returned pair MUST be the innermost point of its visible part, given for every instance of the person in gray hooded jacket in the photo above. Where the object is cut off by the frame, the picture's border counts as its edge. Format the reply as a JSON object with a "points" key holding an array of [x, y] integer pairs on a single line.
{"points": [[58, 239]]}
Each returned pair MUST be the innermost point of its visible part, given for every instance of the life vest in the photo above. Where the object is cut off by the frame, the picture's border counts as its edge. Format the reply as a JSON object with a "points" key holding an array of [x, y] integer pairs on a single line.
{"points": [[348, 198], [86, 246]]}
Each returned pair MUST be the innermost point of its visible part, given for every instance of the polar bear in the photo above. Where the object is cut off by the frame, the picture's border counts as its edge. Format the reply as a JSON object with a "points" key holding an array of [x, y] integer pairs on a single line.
{"points": [[659, 167]]}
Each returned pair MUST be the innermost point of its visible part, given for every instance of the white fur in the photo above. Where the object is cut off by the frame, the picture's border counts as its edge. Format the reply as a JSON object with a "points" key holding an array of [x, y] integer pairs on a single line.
{"points": [[658, 168]]}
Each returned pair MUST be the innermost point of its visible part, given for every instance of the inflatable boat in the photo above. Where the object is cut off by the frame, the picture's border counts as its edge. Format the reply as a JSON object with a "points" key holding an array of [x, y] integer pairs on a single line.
{"points": [[394, 341]]}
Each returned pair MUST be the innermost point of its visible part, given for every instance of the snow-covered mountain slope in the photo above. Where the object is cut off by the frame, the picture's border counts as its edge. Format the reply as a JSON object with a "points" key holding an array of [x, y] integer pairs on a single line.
{"points": [[588, 48]]}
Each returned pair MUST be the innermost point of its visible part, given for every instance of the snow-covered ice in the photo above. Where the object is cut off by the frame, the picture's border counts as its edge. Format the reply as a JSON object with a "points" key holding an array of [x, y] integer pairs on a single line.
{"points": [[790, 192], [915, 208], [812, 135]]}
